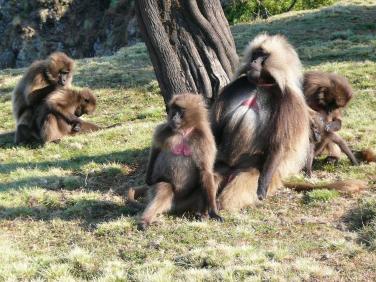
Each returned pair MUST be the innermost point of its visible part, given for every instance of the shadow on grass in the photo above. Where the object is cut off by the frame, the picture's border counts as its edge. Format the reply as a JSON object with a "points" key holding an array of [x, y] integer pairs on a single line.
{"points": [[89, 211], [7, 140], [334, 34], [8, 94], [105, 179], [362, 219]]}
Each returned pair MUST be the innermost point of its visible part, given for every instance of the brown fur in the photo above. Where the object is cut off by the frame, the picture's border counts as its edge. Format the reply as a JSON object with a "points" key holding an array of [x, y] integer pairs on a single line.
{"points": [[321, 136], [328, 94], [326, 91], [346, 186], [59, 114], [40, 79], [173, 178], [368, 155], [278, 128]]}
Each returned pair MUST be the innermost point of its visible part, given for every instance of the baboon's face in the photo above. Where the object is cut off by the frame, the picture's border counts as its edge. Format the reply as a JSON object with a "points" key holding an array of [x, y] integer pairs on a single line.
{"points": [[256, 65], [63, 77], [176, 117], [87, 104]]}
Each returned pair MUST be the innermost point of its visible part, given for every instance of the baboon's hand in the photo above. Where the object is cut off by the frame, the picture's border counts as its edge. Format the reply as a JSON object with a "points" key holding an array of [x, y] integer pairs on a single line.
{"points": [[142, 225], [261, 192], [331, 160], [215, 216], [76, 127], [333, 126]]}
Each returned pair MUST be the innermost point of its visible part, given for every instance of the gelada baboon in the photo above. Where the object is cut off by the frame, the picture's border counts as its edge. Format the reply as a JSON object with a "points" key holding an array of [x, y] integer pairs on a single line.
{"points": [[180, 167], [40, 79], [368, 155], [262, 115], [59, 114], [328, 94], [322, 133], [261, 123]]}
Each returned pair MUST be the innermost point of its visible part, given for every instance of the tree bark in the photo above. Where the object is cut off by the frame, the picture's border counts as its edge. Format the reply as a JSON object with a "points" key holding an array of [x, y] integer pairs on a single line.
{"points": [[190, 45]]}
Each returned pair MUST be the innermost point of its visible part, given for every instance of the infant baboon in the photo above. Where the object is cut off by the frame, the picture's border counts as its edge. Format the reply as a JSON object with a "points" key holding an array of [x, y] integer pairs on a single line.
{"points": [[323, 133], [328, 94], [59, 115]]}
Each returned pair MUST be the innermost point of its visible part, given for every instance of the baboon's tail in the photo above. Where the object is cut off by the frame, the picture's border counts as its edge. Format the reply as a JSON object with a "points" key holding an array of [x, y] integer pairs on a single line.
{"points": [[345, 186]]}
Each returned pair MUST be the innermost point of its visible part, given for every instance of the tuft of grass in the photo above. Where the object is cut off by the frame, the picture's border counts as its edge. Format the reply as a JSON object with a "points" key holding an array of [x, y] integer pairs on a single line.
{"points": [[320, 195], [367, 235], [364, 214], [363, 220]]}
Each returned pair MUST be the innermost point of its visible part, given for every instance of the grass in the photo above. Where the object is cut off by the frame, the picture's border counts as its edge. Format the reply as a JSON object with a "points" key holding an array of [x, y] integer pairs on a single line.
{"points": [[321, 195], [62, 211]]}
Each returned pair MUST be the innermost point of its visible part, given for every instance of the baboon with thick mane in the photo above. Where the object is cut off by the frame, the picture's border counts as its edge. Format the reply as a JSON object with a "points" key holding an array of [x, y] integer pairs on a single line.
{"points": [[261, 118], [261, 124]]}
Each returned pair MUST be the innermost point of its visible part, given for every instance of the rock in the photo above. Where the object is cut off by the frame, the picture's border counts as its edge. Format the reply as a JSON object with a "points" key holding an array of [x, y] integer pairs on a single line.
{"points": [[80, 28]]}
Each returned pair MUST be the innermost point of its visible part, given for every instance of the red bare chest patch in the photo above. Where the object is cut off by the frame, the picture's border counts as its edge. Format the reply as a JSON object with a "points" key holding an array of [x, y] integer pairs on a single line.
{"points": [[183, 148], [251, 103]]}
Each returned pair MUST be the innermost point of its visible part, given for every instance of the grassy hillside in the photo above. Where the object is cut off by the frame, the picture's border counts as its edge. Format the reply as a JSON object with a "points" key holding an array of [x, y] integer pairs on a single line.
{"points": [[62, 213]]}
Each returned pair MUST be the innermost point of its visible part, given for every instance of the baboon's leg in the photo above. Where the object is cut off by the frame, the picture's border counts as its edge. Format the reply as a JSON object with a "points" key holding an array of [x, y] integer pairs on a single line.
{"points": [[24, 133], [87, 127], [343, 145], [161, 201], [51, 130]]}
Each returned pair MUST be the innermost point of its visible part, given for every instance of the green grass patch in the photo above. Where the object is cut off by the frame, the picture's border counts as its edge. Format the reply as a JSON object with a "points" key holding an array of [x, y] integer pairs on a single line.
{"points": [[320, 195], [363, 219], [62, 211]]}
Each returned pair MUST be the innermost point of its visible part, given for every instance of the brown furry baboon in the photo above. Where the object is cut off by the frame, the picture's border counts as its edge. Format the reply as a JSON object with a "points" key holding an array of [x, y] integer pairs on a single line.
{"points": [[40, 79], [261, 118], [326, 91], [321, 134], [181, 161], [59, 114], [328, 94], [367, 155], [261, 124]]}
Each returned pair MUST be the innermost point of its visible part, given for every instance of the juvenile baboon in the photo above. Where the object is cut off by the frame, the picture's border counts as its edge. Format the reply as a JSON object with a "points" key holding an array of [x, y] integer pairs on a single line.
{"points": [[181, 161], [328, 94], [40, 79], [326, 91], [59, 114], [321, 135]]}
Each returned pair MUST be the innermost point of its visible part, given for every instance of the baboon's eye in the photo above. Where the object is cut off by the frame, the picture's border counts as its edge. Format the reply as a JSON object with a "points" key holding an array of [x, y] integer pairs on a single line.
{"points": [[86, 100]]}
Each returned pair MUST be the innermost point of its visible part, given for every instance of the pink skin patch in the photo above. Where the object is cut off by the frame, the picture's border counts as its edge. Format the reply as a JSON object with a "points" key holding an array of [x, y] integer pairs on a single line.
{"points": [[251, 103], [183, 148]]}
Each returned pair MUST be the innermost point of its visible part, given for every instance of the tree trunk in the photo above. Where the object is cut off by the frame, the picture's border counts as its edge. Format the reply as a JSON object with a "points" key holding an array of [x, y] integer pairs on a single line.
{"points": [[190, 45]]}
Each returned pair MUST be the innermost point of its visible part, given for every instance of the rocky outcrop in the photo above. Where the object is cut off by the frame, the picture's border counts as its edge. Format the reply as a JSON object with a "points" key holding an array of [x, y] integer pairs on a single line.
{"points": [[81, 28]]}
